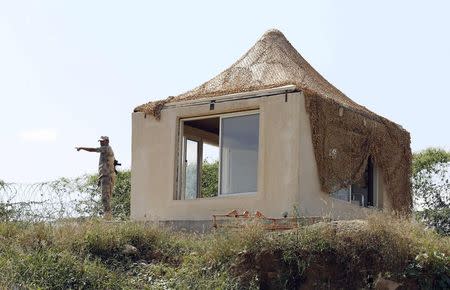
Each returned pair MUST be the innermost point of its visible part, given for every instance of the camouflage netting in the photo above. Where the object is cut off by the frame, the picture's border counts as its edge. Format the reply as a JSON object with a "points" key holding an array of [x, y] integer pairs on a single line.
{"points": [[272, 62], [342, 144], [343, 141]]}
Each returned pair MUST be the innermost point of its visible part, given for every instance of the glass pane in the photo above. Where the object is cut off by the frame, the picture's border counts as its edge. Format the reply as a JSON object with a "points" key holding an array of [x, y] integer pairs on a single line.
{"points": [[210, 171], [360, 189], [210, 153], [239, 154], [361, 192], [343, 194], [191, 164]]}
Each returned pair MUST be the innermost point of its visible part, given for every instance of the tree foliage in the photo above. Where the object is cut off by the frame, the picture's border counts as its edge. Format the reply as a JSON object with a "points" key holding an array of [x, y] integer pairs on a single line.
{"points": [[428, 158], [210, 179], [63, 198], [439, 219], [431, 188], [120, 202], [431, 178]]}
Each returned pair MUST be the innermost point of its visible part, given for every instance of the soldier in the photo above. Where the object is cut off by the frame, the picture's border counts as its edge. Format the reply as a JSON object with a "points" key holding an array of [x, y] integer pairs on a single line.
{"points": [[106, 172]]}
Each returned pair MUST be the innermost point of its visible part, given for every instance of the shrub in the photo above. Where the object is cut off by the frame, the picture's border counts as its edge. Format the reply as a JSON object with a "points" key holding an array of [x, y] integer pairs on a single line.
{"points": [[108, 242], [120, 201], [210, 178], [345, 254], [438, 219], [431, 185], [52, 269]]}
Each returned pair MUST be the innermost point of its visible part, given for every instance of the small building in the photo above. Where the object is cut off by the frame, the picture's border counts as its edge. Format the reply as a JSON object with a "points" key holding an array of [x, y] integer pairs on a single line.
{"points": [[268, 134]]}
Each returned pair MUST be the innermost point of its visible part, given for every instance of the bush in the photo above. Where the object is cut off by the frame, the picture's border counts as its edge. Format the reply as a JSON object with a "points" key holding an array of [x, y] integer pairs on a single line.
{"points": [[108, 242], [120, 201], [63, 198], [52, 269], [210, 179], [431, 188], [345, 254], [431, 178], [438, 219]]}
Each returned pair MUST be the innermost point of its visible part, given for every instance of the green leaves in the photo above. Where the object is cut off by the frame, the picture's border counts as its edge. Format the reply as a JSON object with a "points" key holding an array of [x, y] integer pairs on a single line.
{"points": [[430, 183], [428, 159], [431, 188], [210, 179]]}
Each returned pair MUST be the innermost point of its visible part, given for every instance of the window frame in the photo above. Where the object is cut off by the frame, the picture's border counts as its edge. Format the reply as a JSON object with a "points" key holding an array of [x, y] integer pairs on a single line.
{"points": [[226, 116], [181, 176], [183, 164], [375, 191]]}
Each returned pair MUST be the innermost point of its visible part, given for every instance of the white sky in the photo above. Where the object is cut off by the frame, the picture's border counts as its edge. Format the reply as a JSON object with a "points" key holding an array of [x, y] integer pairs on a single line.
{"points": [[71, 71]]}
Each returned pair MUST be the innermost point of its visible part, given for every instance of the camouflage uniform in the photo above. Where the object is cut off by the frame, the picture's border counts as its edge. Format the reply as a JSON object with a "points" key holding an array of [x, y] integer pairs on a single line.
{"points": [[106, 175]]}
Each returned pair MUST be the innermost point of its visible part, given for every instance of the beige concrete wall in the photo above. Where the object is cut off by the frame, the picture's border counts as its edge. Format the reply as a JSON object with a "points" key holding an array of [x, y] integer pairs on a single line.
{"points": [[287, 173], [154, 145]]}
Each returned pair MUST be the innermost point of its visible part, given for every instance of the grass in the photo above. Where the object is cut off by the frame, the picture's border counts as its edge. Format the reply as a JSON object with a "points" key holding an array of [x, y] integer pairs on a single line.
{"points": [[351, 255]]}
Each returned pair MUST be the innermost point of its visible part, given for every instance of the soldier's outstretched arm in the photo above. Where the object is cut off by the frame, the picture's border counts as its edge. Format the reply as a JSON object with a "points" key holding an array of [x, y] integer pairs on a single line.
{"points": [[88, 149]]}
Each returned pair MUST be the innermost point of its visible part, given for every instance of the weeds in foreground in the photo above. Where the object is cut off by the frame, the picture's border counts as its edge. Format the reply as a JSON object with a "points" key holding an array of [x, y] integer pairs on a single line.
{"points": [[99, 255]]}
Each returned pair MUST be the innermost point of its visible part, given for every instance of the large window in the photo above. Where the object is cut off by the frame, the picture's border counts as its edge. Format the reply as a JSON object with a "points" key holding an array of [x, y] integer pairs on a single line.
{"points": [[364, 191], [239, 154], [219, 155]]}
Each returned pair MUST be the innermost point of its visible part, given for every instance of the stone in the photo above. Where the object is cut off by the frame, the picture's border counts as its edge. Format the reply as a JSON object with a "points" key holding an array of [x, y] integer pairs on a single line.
{"points": [[130, 250]]}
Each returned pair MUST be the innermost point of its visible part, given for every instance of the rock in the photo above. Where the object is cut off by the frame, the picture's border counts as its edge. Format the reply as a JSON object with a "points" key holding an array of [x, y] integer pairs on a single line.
{"points": [[385, 284], [130, 250]]}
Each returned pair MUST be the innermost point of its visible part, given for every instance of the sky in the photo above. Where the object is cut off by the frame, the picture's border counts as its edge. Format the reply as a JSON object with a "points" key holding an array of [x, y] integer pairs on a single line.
{"points": [[71, 71]]}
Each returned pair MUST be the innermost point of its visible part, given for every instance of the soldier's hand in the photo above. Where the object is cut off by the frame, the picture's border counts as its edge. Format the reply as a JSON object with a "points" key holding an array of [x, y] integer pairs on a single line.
{"points": [[78, 148]]}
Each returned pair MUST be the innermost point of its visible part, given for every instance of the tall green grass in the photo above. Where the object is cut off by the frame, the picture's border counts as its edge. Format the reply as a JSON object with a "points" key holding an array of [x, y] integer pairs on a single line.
{"points": [[90, 255]]}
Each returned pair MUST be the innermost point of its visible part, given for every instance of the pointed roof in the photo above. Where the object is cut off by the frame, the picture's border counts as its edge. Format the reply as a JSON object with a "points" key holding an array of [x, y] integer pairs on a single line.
{"points": [[272, 62]]}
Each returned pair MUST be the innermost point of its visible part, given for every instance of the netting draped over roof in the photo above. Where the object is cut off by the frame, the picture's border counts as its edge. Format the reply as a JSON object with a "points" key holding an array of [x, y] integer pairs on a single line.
{"points": [[272, 62], [339, 125]]}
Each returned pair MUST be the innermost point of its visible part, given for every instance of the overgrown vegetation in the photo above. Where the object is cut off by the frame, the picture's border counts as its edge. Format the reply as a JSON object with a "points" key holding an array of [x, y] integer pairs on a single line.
{"points": [[100, 255], [431, 187], [431, 182], [120, 201], [210, 178], [63, 198], [93, 254]]}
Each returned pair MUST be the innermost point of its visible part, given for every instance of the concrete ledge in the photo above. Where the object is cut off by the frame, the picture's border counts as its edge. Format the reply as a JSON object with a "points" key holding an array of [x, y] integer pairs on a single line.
{"points": [[206, 226], [195, 226]]}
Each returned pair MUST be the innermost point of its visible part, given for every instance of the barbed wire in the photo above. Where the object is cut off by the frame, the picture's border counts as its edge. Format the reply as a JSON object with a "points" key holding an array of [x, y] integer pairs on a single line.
{"points": [[48, 201]]}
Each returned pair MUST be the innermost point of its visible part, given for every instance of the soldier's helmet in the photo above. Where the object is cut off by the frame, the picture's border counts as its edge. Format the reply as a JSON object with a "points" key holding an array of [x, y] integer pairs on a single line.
{"points": [[104, 138]]}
